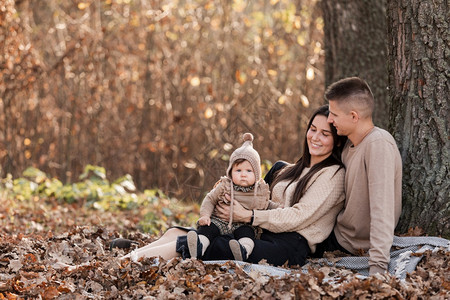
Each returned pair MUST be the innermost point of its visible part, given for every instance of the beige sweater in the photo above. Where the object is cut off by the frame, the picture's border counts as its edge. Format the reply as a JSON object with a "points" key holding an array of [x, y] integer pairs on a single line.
{"points": [[256, 199], [373, 204], [315, 214]]}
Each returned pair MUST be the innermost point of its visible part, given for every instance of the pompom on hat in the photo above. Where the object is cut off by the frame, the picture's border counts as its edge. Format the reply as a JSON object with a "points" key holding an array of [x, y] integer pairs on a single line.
{"points": [[247, 152]]}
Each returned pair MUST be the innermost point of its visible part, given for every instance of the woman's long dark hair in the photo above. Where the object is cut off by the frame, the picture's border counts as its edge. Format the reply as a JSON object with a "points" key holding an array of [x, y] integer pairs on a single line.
{"points": [[292, 173]]}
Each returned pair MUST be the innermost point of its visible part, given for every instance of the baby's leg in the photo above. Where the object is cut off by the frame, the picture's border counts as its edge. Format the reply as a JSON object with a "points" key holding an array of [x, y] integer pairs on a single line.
{"points": [[204, 235], [244, 236]]}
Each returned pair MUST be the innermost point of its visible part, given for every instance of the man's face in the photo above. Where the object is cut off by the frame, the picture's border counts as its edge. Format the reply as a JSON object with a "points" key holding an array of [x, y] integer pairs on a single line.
{"points": [[341, 119]]}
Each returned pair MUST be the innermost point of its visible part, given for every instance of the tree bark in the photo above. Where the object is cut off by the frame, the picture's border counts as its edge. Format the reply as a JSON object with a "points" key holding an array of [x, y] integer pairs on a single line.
{"points": [[418, 32], [355, 45]]}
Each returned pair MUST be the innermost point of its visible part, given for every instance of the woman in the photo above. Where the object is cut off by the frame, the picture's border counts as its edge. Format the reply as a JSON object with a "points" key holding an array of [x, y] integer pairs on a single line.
{"points": [[312, 192]]}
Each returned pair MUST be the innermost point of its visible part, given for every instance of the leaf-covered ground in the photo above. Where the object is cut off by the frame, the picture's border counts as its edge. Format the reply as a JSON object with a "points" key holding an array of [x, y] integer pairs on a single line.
{"points": [[37, 238]]}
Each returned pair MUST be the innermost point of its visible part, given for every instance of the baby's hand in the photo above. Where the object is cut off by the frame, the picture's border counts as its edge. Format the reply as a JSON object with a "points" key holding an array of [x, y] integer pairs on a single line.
{"points": [[205, 220]]}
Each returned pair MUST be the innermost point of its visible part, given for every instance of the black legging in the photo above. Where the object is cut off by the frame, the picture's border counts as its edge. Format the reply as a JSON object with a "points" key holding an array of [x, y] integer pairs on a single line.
{"points": [[275, 248]]}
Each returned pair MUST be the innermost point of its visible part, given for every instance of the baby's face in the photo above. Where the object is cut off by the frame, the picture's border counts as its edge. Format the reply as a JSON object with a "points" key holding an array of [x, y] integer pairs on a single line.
{"points": [[242, 174]]}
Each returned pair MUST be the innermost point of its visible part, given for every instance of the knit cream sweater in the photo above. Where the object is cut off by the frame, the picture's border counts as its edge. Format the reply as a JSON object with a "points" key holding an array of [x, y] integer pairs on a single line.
{"points": [[315, 214]]}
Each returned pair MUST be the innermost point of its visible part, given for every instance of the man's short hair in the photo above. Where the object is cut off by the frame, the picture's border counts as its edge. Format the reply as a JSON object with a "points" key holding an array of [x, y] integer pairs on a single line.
{"points": [[354, 93]]}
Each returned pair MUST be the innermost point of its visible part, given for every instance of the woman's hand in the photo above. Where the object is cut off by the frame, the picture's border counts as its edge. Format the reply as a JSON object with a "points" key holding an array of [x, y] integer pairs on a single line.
{"points": [[222, 211], [240, 214]]}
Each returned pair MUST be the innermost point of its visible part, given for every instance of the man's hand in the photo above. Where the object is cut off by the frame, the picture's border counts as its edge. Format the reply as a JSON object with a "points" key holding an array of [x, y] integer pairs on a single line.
{"points": [[204, 221]]}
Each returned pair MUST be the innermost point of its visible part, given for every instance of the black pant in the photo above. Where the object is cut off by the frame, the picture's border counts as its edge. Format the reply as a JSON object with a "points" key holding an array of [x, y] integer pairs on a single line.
{"points": [[329, 244], [275, 248], [212, 231]]}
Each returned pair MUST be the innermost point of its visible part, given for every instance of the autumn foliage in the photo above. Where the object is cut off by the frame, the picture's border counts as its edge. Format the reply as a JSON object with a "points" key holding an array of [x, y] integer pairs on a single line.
{"points": [[111, 110], [159, 90], [42, 239]]}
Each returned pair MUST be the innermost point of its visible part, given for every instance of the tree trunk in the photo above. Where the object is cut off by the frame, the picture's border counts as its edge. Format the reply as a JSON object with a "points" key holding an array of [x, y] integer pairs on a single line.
{"points": [[418, 32], [355, 45]]}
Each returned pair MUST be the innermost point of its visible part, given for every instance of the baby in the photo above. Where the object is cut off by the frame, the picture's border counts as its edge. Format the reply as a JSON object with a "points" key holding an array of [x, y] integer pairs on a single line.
{"points": [[242, 183]]}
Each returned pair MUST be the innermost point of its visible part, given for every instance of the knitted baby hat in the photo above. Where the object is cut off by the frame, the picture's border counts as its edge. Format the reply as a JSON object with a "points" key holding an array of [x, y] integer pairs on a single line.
{"points": [[247, 152]]}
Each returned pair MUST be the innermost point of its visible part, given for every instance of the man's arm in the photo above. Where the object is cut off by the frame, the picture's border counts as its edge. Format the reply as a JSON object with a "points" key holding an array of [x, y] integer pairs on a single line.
{"points": [[380, 163]]}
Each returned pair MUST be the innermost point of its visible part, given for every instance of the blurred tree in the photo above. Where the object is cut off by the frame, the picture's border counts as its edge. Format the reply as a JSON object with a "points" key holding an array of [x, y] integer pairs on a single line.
{"points": [[419, 76], [160, 90], [355, 45], [18, 99]]}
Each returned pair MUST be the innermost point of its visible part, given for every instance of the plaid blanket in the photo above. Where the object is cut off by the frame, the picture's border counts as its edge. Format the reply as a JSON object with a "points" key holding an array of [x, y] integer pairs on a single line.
{"points": [[402, 261]]}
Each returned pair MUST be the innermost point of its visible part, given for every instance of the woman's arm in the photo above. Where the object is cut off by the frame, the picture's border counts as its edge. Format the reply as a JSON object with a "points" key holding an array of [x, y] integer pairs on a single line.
{"points": [[274, 205], [324, 194]]}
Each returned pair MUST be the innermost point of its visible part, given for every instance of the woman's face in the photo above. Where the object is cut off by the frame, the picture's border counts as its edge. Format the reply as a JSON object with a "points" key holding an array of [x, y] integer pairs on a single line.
{"points": [[320, 139]]}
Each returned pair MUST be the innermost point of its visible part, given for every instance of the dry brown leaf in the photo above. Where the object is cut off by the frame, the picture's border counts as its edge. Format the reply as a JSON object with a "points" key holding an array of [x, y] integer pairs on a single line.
{"points": [[31, 265]]}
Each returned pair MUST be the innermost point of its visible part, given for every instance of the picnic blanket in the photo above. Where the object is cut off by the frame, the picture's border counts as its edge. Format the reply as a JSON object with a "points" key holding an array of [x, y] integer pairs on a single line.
{"points": [[402, 261]]}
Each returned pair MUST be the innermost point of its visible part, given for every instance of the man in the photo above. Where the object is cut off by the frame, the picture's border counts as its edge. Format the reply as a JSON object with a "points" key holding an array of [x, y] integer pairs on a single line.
{"points": [[373, 176]]}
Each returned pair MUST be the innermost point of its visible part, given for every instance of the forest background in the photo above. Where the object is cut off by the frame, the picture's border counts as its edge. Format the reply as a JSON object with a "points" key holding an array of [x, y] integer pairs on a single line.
{"points": [[111, 111], [160, 90], [163, 90]]}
